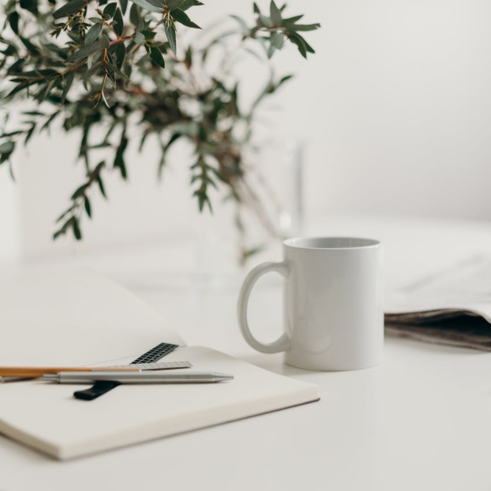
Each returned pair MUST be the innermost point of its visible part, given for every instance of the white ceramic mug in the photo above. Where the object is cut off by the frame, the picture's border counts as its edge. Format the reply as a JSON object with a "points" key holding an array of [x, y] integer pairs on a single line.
{"points": [[333, 303]]}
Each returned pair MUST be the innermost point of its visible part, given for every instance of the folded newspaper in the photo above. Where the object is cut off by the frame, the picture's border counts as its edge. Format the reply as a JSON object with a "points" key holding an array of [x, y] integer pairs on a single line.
{"points": [[452, 306]]}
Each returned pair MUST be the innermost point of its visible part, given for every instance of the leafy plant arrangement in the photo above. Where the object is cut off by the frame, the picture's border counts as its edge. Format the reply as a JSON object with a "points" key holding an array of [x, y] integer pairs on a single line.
{"points": [[115, 72]]}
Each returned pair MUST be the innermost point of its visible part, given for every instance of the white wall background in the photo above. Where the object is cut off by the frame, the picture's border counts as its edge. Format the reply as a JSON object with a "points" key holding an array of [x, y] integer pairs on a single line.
{"points": [[10, 219], [395, 106]]}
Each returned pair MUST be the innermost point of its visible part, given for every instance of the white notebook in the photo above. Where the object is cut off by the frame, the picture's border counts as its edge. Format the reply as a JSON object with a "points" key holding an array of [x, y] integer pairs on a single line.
{"points": [[80, 318]]}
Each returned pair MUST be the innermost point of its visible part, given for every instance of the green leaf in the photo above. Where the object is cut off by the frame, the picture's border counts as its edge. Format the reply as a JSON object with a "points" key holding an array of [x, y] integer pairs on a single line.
{"points": [[7, 148], [30, 47], [69, 8], [265, 21], [173, 4], [11, 50], [157, 57], [43, 93], [21, 86], [188, 56], [147, 6], [88, 208], [94, 33], [89, 50], [276, 42], [161, 165], [14, 22], [16, 67], [307, 45], [275, 14], [300, 42], [247, 253], [48, 122], [64, 214], [170, 32], [119, 22], [284, 79], [172, 140], [278, 39], [80, 191], [305, 27], [103, 144], [202, 200], [101, 186], [30, 5], [120, 52], [29, 134], [67, 84], [92, 70], [180, 16], [190, 3], [139, 38], [135, 16], [128, 70], [110, 9], [98, 169], [143, 140], [9, 7], [58, 234], [76, 229], [256, 8], [291, 20], [165, 149], [34, 74], [124, 5], [119, 157], [149, 34], [117, 71]]}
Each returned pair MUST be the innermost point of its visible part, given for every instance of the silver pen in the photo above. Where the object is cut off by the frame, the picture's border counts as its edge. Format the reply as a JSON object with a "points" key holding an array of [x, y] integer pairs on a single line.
{"points": [[187, 377]]}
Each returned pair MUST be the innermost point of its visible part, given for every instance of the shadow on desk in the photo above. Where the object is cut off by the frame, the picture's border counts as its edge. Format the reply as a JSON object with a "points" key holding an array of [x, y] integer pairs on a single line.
{"points": [[394, 346], [274, 363]]}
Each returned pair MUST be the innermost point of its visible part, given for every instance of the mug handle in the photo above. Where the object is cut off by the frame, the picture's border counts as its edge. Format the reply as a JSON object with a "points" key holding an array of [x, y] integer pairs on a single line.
{"points": [[283, 342]]}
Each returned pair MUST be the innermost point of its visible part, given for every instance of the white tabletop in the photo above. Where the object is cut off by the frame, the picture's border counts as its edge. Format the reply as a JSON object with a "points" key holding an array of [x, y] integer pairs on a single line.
{"points": [[420, 421]]}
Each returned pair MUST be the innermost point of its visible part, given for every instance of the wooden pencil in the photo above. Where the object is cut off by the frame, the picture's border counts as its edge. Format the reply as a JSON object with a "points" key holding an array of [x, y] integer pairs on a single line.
{"points": [[30, 372]]}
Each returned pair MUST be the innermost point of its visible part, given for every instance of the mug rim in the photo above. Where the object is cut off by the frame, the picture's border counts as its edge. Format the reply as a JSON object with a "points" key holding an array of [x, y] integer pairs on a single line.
{"points": [[298, 243]]}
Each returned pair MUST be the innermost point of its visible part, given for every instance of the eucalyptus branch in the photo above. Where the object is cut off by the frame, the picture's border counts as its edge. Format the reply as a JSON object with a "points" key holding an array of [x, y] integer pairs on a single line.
{"points": [[66, 59], [70, 219]]}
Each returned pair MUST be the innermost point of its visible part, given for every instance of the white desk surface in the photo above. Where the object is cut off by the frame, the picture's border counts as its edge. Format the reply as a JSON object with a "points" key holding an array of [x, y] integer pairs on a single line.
{"points": [[421, 421]]}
